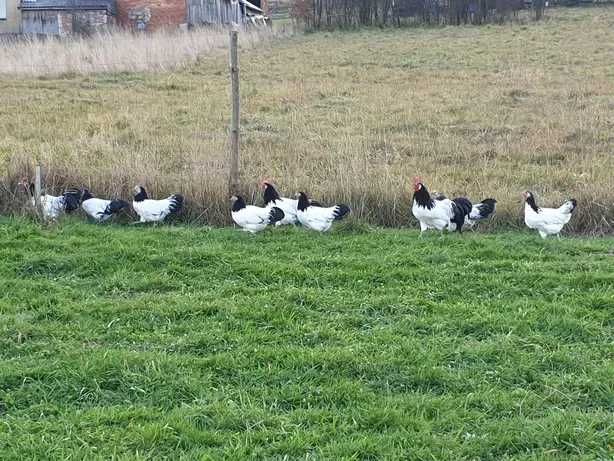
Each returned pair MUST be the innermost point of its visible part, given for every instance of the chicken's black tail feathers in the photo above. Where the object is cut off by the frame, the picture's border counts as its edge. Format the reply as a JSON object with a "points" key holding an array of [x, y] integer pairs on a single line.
{"points": [[276, 214], [341, 211], [485, 209], [461, 207], [72, 200], [176, 203], [116, 206]]}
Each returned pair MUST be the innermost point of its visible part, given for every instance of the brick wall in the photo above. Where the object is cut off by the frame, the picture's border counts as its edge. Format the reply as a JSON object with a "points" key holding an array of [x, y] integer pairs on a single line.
{"points": [[151, 14], [88, 22], [64, 23]]}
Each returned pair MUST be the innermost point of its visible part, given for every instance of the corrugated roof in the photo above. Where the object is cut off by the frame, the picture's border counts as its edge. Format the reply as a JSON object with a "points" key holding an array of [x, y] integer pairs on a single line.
{"points": [[108, 5]]}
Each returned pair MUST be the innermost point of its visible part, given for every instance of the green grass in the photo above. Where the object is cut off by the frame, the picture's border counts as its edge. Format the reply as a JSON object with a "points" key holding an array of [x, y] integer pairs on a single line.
{"points": [[188, 343]]}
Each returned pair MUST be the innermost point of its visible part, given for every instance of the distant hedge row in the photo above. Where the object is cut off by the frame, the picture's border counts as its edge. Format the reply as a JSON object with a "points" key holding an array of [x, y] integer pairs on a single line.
{"points": [[319, 14]]}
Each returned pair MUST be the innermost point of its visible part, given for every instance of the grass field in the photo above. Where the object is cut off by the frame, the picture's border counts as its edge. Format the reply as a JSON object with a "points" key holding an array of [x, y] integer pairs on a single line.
{"points": [[189, 343], [482, 111]]}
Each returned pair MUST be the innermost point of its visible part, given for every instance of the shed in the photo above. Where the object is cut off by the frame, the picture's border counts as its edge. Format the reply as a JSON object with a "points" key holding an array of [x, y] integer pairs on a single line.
{"points": [[65, 17], [210, 12]]}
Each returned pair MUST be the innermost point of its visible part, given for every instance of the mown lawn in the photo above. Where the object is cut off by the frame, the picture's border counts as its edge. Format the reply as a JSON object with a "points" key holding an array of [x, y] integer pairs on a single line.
{"points": [[188, 343]]}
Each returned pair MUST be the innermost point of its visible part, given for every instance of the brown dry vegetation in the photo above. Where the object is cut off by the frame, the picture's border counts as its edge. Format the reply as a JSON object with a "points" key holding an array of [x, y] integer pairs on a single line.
{"points": [[117, 51], [482, 111]]}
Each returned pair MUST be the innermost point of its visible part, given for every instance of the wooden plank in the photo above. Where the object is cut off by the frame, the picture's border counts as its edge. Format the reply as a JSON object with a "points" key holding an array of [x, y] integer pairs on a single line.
{"points": [[38, 191], [235, 123]]}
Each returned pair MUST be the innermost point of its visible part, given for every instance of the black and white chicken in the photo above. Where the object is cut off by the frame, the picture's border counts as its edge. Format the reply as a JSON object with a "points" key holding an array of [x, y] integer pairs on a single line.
{"points": [[481, 211], [287, 205], [441, 213], [254, 218], [316, 217], [547, 221], [155, 210], [53, 207], [99, 209]]}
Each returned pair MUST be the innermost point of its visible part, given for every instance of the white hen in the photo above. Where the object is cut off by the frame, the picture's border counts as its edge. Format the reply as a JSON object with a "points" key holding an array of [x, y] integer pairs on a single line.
{"points": [[99, 209], [547, 221], [53, 207], [253, 218], [316, 217], [155, 210]]}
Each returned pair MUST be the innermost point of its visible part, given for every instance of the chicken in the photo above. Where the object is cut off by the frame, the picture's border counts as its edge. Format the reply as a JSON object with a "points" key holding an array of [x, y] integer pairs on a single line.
{"points": [[253, 218], [155, 210], [316, 217], [547, 221], [53, 207], [99, 209], [287, 205], [439, 213], [481, 211]]}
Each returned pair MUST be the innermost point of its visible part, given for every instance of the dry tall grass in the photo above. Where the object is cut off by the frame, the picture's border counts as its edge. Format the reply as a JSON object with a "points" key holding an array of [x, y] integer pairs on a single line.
{"points": [[482, 111], [118, 51]]}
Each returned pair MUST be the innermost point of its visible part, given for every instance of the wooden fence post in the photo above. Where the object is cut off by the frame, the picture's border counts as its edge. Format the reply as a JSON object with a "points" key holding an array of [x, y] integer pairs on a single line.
{"points": [[38, 191], [235, 124]]}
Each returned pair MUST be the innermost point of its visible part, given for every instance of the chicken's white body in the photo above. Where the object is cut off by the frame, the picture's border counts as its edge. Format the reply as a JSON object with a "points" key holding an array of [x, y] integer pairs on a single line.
{"points": [[288, 206], [52, 207], [95, 208], [318, 218], [548, 221], [100, 209], [153, 210], [253, 218], [437, 217]]}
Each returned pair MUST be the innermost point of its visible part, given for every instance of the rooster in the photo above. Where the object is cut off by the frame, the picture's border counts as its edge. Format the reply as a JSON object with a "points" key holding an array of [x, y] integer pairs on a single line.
{"points": [[253, 218], [52, 207], [99, 209], [441, 213], [155, 210], [316, 217], [547, 221], [481, 211]]}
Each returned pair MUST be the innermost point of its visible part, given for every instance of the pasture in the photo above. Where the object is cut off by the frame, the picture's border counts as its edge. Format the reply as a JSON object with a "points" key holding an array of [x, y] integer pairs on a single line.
{"points": [[191, 343], [348, 116]]}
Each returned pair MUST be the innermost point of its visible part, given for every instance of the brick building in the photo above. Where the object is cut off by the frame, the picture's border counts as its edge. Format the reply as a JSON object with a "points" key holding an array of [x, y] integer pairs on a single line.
{"points": [[151, 14], [67, 17]]}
